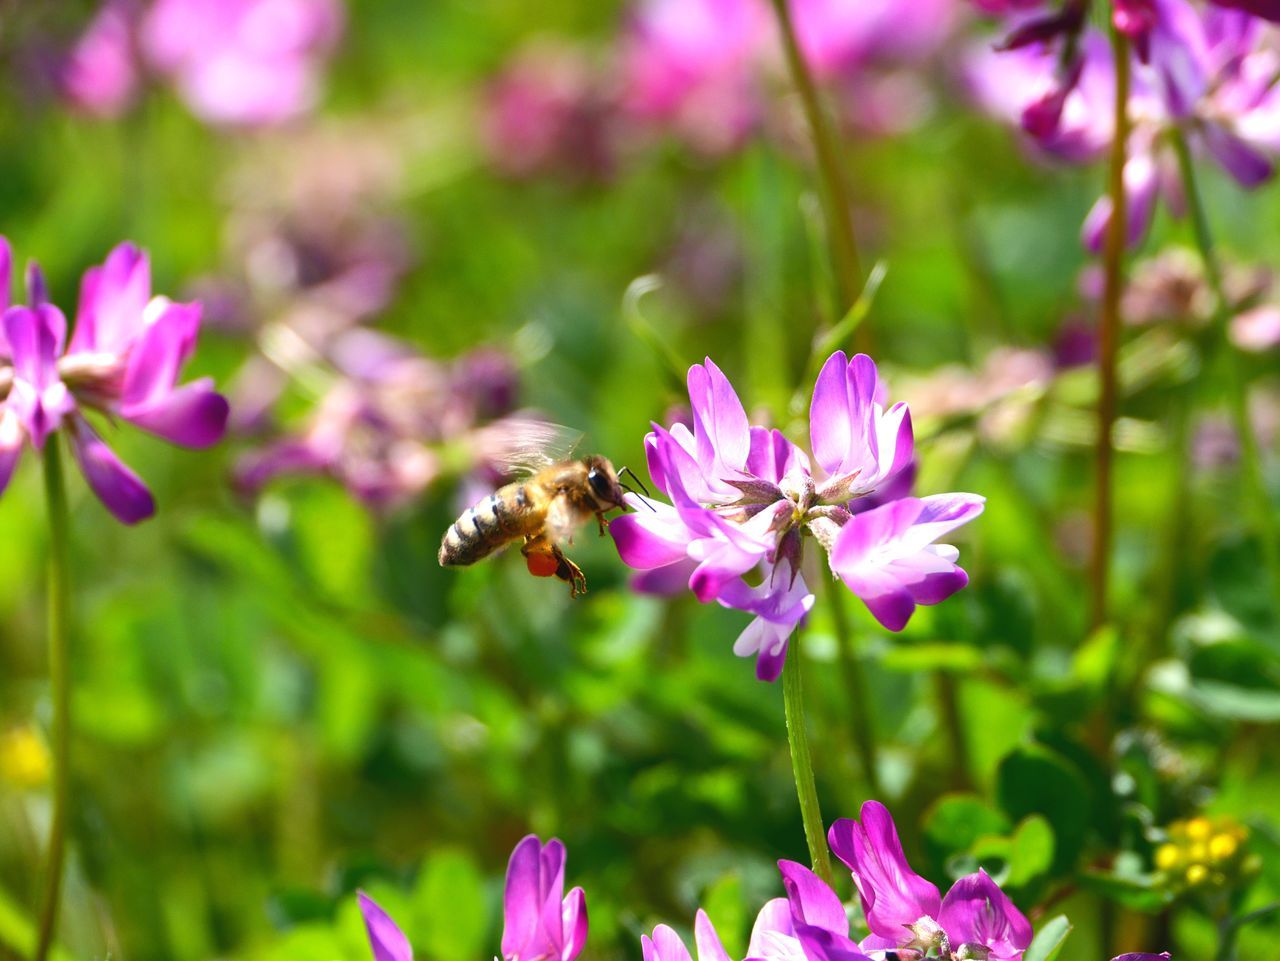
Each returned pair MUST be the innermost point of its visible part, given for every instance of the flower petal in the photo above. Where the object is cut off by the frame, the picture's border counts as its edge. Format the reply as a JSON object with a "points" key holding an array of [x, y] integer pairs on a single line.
{"points": [[119, 488], [385, 937], [976, 911], [892, 894], [194, 415]]}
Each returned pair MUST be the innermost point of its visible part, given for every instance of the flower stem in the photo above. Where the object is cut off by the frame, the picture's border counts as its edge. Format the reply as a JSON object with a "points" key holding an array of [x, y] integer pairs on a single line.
{"points": [[835, 193], [1109, 340], [1237, 389], [855, 682], [802, 763], [60, 682]]}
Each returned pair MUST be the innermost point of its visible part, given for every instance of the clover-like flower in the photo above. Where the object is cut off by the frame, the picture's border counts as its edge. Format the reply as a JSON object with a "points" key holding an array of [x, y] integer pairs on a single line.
{"points": [[123, 361], [540, 922], [745, 500], [903, 910]]}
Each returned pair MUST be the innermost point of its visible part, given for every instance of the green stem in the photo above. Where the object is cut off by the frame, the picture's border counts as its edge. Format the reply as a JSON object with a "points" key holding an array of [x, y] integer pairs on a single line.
{"points": [[1109, 340], [835, 193], [802, 763], [855, 682], [60, 682], [1237, 388]]}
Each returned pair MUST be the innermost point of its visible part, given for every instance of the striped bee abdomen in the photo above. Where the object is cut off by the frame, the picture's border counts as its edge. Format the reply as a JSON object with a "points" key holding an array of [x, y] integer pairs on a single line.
{"points": [[485, 527]]}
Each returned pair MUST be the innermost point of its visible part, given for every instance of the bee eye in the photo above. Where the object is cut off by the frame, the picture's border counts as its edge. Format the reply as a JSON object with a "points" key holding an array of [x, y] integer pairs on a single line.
{"points": [[600, 485]]}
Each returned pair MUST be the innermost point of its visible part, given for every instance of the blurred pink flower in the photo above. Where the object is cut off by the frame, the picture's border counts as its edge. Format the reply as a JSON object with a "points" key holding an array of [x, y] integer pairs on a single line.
{"points": [[549, 111], [234, 62], [242, 62], [690, 64], [100, 75]]}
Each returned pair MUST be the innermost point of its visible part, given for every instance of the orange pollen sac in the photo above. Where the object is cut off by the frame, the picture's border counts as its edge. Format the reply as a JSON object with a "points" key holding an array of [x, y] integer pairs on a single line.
{"points": [[542, 565]]}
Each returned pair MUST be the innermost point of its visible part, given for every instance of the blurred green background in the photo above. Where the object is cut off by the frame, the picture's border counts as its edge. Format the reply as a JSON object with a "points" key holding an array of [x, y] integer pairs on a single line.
{"points": [[280, 699]]}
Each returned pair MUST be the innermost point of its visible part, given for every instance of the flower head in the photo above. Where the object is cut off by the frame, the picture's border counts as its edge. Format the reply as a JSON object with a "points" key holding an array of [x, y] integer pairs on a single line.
{"points": [[540, 921], [124, 360], [745, 500], [538, 925], [904, 910]]}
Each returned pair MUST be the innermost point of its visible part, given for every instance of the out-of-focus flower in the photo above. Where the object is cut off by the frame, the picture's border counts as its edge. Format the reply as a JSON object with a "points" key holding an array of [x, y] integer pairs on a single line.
{"points": [[124, 359], [389, 421], [540, 922], [1257, 329], [1203, 854], [549, 111], [1267, 9], [1001, 393], [24, 758], [245, 63], [242, 62], [689, 64], [100, 75], [744, 499], [1209, 72], [699, 66], [903, 910]]}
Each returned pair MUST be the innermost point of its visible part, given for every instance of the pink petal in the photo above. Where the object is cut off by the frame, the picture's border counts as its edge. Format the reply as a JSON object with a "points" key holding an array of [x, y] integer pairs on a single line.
{"points": [[119, 488], [194, 415], [385, 937]]}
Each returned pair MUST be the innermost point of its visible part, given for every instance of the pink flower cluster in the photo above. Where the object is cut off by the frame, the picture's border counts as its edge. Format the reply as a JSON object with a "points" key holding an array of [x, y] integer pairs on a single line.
{"points": [[233, 62], [123, 360], [1205, 70], [745, 500], [905, 913]]}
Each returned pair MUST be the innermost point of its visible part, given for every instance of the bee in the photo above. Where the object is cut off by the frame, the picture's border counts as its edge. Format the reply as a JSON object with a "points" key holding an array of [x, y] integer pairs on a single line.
{"points": [[542, 511]]}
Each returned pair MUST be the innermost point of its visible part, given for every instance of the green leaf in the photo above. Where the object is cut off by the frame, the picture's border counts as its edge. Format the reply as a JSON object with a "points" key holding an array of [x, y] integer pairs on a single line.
{"points": [[1135, 893], [1035, 780], [1031, 850], [955, 822], [725, 905], [449, 907], [1048, 940]]}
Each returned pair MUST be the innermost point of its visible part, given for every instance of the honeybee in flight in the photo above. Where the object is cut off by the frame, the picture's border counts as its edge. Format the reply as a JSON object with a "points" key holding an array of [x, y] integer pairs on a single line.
{"points": [[543, 510]]}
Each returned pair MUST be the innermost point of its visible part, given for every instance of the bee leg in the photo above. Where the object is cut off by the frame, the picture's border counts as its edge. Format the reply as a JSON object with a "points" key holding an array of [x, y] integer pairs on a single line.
{"points": [[604, 524], [570, 573]]}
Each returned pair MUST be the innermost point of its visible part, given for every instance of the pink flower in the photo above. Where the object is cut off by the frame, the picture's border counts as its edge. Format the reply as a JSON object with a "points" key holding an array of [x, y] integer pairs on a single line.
{"points": [[538, 924], [100, 75], [540, 921], [904, 910], [690, 64], [124, 360], [242, 62], [809, 924], [743, 499]]}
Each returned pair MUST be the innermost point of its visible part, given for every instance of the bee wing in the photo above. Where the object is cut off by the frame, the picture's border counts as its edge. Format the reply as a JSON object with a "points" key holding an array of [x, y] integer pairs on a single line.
{"points": [[562, 520], [525, 445]]}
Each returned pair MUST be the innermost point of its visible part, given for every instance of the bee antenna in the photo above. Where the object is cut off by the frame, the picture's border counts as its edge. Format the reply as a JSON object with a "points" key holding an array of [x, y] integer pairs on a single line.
{"points": [[643, 500], [628, 472]]}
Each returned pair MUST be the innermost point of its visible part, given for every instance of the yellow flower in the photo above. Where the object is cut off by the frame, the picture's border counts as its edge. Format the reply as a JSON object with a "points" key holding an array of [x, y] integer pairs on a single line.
{"points": [[24, 758]]}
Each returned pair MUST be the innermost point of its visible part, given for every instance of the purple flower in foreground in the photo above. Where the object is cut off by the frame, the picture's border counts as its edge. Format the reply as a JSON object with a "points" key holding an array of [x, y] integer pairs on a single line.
{"points": [[540, 921], [904, 910], [745, 499], [123, 361], [809, 924], [538, 924]]}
